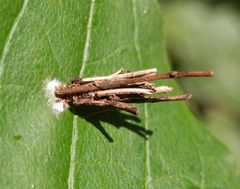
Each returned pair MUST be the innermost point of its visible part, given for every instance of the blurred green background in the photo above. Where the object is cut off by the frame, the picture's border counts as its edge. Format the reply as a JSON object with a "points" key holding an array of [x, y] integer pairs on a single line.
{"points": [[205, 35]]}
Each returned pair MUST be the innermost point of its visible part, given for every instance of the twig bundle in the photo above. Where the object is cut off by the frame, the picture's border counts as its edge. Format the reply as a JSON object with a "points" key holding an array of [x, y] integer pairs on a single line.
{"points": [[120, 89]]}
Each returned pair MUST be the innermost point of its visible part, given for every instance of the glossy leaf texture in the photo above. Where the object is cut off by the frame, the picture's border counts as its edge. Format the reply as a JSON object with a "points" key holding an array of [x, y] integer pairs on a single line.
{"points": [[95, 147]]}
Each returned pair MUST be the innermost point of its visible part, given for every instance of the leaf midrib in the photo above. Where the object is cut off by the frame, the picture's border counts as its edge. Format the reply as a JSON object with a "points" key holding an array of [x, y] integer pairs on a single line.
{"points": [[148, 180], [75, 128]]}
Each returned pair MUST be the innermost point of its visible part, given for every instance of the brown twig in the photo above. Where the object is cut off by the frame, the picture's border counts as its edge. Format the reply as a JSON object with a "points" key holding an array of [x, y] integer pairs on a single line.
{"points": [[147, 99], [105, 102], [73, 89], [120, 88]]}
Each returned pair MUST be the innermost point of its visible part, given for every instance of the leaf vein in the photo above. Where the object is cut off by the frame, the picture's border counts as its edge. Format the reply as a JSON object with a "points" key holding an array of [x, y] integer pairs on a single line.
{"points": [[109, 55], [148, 181], [12, 31], [52, 49], [178, 177], [202, 174], [136, 31], [75, 129]]}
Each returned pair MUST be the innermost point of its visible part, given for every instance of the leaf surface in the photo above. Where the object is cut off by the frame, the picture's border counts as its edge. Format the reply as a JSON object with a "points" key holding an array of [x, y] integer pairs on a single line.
{"points": [[92, 147]]}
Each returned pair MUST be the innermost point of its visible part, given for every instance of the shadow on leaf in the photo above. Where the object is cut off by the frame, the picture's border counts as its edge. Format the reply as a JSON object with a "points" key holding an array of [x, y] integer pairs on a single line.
{"points": [[95, 115]]}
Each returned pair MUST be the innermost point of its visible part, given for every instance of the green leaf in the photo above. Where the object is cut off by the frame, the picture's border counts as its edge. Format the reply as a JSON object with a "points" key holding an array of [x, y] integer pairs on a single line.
{"points": [[8, 11], [61, 39]]}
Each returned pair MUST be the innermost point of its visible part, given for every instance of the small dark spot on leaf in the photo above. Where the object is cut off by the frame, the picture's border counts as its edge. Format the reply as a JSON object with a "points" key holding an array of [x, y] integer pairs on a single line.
{"points": [[17, 137]]}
